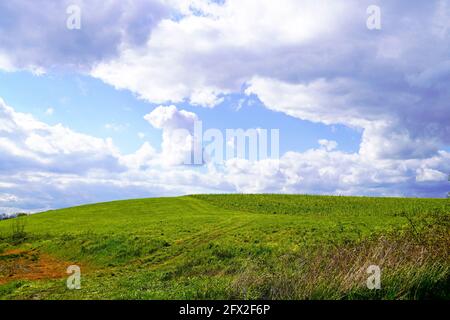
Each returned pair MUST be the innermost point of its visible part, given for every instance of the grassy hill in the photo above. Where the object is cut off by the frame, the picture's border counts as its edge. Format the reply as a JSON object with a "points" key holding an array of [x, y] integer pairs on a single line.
{"points": [[231, 247]]}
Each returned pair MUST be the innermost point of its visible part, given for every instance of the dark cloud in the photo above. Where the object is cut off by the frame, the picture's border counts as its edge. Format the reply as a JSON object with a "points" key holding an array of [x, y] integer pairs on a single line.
{"points": [[34, 33]]}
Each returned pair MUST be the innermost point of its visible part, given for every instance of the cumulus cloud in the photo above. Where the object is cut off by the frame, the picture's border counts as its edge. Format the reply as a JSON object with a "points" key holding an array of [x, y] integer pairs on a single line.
{"points": [[60, 168], [394, 124], [328, 145], [313, 60], [43, 166], [430, 175], [214, 49], [26, 143], [391, 83], [318, 171], [177, 133], [142, 158], [34, 34]]}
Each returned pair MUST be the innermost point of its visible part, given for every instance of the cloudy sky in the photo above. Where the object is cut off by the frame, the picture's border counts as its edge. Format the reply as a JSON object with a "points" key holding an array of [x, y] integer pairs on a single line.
{"points": [[86, 114]]}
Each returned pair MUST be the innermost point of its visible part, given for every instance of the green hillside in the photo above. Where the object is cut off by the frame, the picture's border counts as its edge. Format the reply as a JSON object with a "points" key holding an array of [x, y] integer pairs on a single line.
{"points": [[231, 247]]}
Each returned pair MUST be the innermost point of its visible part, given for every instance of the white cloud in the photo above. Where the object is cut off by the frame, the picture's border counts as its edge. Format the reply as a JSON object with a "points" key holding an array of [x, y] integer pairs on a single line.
{"points": [[36, 145], [381, 115], [206, 97], [50, 111], [43, 166], [328, 145], [430, 175], [216, 50], [141, 159], [318, 171], [6, 64], [169, 117], [177, 133], [60, 167], [7, 198], [314, 60]]}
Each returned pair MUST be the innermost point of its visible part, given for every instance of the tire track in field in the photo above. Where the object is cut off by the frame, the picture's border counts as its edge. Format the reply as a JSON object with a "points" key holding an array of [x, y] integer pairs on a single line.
{"points": [[189, 244]]}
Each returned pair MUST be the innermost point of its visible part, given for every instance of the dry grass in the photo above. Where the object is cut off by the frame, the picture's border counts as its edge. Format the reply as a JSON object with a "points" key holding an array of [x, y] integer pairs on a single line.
{"points": [[414, 265]]}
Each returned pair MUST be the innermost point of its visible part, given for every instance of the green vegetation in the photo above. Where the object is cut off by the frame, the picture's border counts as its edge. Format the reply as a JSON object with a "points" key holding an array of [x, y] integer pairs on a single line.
{"points": [[231, 247]]}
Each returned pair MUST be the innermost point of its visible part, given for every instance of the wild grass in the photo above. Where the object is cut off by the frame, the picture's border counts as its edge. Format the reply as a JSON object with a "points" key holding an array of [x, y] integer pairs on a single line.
{"points": [[18, 233], [411, 269]]}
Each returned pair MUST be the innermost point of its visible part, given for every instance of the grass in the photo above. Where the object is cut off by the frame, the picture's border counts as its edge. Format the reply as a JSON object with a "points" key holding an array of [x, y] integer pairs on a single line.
{"points": [[233, 247]]}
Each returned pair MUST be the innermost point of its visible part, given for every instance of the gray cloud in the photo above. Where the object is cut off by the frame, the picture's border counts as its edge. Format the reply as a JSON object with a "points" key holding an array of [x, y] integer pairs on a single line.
{"points": [[34, 33], [392, 83]]}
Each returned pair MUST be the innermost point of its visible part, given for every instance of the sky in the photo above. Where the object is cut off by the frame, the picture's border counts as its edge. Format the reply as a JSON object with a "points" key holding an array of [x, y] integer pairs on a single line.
{"points": [[92, 92]]}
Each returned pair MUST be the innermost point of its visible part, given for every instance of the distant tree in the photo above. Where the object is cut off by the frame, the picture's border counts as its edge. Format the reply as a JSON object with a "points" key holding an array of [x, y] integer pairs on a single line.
{"points": [[4, 216]]}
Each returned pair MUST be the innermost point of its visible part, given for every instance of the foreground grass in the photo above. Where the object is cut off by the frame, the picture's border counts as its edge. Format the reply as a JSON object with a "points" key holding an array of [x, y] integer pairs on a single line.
{"points": [[236, 246]]}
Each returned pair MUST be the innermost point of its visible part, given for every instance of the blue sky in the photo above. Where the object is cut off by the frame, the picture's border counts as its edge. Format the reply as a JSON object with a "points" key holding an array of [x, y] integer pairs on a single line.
{"points": [[88, 114], [88, 105]]}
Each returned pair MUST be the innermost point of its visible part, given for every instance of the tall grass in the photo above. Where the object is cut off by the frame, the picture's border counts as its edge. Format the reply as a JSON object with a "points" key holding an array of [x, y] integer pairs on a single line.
{"points": [[18, 233], [414, 266]]}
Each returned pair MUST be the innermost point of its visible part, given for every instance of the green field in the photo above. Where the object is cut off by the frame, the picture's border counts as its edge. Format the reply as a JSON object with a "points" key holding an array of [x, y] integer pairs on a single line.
{"points": [[231, 247]]}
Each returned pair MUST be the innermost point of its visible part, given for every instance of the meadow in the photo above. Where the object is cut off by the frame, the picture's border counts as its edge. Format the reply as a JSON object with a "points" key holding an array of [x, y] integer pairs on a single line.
{"points": [[231, 247]]}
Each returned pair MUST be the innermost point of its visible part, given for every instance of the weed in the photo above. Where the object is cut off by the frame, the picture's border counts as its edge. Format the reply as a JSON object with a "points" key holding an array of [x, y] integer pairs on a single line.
{"points": [[18, 233]]}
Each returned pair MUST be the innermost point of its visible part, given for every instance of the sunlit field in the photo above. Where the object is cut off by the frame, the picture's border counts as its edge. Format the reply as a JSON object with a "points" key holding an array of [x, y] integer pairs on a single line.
{"points": [[231, 247]]}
